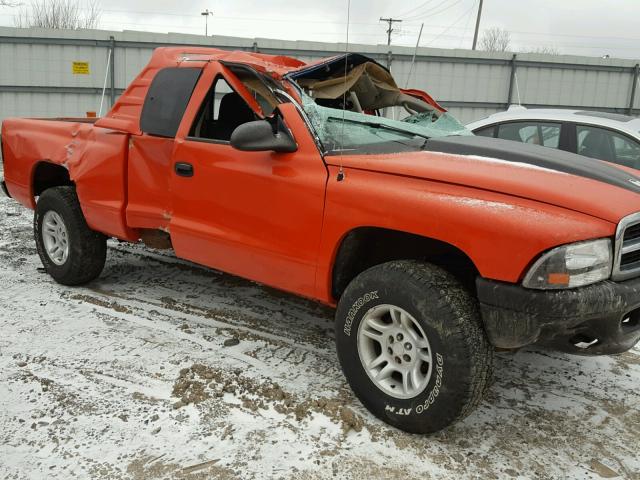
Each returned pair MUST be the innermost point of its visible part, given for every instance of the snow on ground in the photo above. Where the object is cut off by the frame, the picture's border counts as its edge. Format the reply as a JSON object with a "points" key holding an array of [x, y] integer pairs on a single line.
{"points": [[163, 369]]}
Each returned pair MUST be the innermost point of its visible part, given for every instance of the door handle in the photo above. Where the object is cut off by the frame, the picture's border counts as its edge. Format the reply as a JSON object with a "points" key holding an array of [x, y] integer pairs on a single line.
{"points": [[184, 169]]}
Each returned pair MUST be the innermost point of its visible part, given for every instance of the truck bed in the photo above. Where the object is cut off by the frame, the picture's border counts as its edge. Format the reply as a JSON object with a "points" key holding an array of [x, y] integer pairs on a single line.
{"points": [[94, 158]]}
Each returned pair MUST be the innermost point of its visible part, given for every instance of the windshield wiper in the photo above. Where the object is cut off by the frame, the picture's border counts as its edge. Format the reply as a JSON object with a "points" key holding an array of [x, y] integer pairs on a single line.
{"points": [[380, 125]]}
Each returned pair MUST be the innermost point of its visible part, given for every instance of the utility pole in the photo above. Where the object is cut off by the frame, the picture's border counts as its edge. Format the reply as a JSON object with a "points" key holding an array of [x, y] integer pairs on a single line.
{"points": [[206, 14], [475, 34], [390, 21]]}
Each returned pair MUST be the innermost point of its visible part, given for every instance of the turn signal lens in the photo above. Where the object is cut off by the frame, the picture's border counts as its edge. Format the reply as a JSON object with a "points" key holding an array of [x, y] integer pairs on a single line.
{"points": [[559, 279]]}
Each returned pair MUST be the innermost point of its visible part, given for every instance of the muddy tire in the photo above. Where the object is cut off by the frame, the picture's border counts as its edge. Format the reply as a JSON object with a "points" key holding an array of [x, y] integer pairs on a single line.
{"points": [[70, 251], [412, 347]]}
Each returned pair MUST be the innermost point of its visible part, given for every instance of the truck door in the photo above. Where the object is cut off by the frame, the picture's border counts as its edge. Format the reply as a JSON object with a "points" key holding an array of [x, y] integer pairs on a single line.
{"points": [[149, 166], [253, 214]]}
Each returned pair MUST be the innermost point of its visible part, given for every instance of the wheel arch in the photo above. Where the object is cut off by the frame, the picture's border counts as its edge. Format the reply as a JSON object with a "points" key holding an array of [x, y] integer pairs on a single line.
{"points": [[364, 247], [46, 174]]}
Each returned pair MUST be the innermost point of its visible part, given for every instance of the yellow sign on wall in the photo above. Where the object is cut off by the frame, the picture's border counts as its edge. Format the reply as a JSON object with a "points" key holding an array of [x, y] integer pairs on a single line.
{"points": [[80, 68]]}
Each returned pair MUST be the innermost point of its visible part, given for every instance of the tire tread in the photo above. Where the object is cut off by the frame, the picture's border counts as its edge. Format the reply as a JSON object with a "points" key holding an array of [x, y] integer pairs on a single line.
{"points": [[88, 251], [470, 330], [450, 300]]}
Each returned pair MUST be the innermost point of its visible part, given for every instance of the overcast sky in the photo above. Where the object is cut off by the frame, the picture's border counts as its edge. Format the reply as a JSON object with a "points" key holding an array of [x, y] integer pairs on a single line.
{"points": [[583, 27]]}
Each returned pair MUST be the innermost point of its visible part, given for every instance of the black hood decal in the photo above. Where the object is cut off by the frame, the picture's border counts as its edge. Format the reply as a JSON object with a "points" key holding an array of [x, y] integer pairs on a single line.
{"points": [[535, 155]]}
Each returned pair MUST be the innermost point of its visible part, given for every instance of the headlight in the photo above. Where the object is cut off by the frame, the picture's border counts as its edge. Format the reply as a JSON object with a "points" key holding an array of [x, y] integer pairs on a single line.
{"points": [[570, 266]]}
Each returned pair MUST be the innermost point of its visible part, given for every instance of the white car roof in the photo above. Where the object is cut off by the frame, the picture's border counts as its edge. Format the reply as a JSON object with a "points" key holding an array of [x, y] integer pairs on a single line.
{"points": [[624, 123]]}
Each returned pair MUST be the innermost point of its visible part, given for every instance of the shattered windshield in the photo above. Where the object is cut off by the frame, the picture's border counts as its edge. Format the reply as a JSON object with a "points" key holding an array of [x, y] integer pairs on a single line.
{"points": [[344, 130]]}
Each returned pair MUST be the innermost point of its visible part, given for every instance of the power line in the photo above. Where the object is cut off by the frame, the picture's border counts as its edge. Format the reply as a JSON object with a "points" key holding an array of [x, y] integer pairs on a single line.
{"points": [[537, 38], [464, 31], [228, 17], [413, 10], [441, 34], [304, 20], [435, 12], [416, 15]]}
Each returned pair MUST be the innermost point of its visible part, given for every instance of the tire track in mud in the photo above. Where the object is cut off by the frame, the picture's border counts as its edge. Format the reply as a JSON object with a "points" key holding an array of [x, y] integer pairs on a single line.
{"points": [[258, 350], [221, 297], [263, 296], [242, 326]]}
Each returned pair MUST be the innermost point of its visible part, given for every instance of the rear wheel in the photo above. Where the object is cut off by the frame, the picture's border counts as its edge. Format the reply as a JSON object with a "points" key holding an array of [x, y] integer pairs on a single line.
{"points": [[70, 251], [412, 346]]}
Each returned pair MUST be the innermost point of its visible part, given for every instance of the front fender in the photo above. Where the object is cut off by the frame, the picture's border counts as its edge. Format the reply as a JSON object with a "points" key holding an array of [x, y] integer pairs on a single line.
{"points": [[501, 234]]}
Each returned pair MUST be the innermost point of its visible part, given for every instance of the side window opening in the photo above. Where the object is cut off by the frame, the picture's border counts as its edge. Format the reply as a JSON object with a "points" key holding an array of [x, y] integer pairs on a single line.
{"points": [[550, 135], [486, 131], [627, 151], [167, 100], [536, 133], [221, 88], [595, 143], [222, 111], [606, 145]]}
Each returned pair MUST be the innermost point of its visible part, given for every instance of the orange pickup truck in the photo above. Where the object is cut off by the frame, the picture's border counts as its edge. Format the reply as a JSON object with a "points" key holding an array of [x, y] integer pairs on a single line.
{"points": [[435, 246]]}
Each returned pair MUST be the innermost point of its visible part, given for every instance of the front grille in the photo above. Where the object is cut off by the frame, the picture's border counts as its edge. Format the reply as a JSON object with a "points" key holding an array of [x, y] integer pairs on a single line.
{"points": [[627, 248], [629, 258], [632, 232]]}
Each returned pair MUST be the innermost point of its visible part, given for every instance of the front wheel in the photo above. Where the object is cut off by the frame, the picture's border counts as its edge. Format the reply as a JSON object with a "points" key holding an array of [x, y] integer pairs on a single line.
{"points": [[70, 251], [412, 347]]}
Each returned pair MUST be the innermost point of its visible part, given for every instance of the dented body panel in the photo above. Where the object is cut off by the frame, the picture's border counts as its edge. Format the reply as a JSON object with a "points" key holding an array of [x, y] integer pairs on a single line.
{"points": [[95, 158], [149, 174]]}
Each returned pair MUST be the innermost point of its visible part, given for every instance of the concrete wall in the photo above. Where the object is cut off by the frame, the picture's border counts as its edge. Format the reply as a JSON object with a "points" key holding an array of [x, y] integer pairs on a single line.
{"points": [[36, 77]]}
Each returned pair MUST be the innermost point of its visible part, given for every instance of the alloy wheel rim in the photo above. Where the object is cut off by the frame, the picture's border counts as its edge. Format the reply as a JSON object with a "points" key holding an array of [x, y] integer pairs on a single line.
{"points": [[55, 237], [394, 351]]}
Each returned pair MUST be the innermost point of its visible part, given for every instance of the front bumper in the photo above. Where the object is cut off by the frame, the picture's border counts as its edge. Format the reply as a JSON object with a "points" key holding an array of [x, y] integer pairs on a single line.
{"points": [[599, 319]]}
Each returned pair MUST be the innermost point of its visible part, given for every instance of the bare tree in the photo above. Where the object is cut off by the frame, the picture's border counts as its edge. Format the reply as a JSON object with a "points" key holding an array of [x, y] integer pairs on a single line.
{"points": [[495, 40], [8, 3], [60, 14], [545, 51]]}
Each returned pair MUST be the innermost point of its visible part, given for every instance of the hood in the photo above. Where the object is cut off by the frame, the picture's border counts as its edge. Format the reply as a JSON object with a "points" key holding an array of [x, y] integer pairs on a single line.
{"points": [[527, 171]]}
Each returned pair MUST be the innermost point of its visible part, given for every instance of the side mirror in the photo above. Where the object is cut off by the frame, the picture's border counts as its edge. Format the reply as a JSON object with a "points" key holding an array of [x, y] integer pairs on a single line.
{"points": [[264, 136]]}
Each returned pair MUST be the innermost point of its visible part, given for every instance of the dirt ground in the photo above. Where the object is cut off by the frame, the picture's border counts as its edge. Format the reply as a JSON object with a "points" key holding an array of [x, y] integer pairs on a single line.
{"points": [[162, 369]]}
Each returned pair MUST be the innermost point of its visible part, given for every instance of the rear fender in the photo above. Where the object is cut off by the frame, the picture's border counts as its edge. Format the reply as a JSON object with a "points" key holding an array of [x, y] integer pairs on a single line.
{"points": [[95, 159]]}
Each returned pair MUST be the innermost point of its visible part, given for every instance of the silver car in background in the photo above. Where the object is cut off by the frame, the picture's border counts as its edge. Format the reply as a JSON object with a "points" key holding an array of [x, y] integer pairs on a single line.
{"points": [[605, 136]]}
